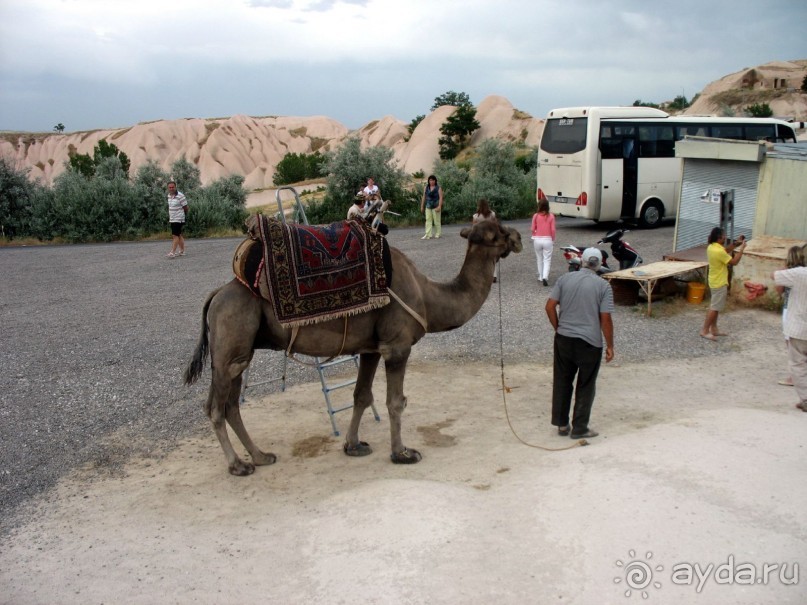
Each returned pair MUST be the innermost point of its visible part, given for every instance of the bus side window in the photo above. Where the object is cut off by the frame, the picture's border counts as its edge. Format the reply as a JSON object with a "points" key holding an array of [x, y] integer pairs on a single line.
{"points": [[611, 148], [656, 141], [727, 131], [690, 130], [762, 132]]}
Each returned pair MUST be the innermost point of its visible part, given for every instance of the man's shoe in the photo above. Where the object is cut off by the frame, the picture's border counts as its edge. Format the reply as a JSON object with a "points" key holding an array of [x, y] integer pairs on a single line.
{"points": [[426, 237], [587, 435], [802, 406], [546, 283], [563, 431]]}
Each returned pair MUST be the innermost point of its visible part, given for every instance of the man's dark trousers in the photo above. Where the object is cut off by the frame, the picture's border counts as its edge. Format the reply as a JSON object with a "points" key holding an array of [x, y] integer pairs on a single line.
{"points": [[574, 356]]}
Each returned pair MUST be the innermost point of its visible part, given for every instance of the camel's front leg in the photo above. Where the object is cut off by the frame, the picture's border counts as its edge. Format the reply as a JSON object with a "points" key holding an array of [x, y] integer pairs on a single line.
{"points": [[362, 399], [233, 412], [395, 367]]}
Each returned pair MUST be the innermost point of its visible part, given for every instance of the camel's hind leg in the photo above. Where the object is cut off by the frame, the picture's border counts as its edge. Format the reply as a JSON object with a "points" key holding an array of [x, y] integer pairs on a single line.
{"points": [[362, 399], [223, 391], [233, 319], [233, 415]]}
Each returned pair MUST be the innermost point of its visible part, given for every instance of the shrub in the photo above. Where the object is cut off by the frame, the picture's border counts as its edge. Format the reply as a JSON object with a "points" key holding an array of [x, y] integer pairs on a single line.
{"points": [[220, 205], [296, 167], [17, 195], [98, 209], [759, 110], [348, 169]]}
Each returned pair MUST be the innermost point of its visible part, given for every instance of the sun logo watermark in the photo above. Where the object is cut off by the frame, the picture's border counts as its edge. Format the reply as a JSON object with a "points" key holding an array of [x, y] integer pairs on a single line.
{"points": [[638, 574]]}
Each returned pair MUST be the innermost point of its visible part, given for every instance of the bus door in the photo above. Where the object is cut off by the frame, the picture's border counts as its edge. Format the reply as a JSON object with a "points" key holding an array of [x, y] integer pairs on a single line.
{"points": [[630, 174], [618, 171]]}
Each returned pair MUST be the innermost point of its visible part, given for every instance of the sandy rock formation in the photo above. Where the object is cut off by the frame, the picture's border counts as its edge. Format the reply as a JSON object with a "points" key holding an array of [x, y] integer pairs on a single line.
{"points": [[253, 146], [783, 76]]}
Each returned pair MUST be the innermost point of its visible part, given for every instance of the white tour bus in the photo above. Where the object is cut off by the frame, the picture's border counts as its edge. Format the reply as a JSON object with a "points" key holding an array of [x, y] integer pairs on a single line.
{"points": [[611, 163]]}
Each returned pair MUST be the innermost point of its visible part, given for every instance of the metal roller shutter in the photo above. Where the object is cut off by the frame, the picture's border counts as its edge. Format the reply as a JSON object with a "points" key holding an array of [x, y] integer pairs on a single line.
{"points": [[696, 217]]}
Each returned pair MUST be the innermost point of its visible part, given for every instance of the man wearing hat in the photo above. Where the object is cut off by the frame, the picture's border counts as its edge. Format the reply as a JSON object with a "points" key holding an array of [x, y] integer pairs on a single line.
{"points": [[579, 309], [357, 208]]}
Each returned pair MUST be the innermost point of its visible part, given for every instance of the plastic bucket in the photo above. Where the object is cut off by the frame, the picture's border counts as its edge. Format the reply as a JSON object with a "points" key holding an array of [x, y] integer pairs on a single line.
{"points": [[695, 292]]}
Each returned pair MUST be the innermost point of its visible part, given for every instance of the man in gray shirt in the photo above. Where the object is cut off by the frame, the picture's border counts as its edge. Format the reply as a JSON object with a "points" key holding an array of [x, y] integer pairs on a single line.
{"points": [[586, 303]]}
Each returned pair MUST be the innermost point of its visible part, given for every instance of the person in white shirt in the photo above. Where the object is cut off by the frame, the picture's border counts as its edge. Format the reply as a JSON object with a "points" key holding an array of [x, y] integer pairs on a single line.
{"points": [[795, 327], [371, 191], [177, 213]]}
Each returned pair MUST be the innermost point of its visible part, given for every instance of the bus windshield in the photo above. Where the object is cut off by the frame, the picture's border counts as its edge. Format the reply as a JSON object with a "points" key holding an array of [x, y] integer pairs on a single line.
{"points": [[564, 135]]}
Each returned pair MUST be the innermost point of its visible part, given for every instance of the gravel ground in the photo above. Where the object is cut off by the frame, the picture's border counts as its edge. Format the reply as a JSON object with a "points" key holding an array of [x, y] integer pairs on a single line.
{"points": [[95, 339]]}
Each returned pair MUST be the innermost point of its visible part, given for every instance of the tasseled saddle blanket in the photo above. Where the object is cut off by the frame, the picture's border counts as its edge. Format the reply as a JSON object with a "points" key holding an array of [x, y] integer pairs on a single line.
{"points": [[314, 273]]}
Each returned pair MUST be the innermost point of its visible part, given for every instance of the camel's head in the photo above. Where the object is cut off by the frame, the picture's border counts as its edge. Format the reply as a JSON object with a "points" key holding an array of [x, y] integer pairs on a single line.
{"points": [[494, 235]]}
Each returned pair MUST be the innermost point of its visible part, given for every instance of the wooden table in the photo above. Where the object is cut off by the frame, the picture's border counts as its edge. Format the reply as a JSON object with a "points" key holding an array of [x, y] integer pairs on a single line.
{"points": [[648, 275]]}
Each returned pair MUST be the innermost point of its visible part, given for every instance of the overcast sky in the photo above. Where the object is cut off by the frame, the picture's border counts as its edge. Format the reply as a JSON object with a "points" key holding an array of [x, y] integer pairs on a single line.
{"points": [[113, 63]]}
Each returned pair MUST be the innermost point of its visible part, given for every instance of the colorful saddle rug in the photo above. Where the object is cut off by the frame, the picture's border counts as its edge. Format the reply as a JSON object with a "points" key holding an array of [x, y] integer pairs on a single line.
{"points": [[315, 273]]}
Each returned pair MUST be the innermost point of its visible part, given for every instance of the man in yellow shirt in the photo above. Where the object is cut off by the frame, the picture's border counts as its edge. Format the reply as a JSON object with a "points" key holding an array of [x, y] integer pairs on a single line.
{"points": [[719, 257]]}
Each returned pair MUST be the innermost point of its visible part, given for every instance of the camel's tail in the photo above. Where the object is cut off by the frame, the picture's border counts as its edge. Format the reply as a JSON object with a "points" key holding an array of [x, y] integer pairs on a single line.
{"points": [[197, 363]]}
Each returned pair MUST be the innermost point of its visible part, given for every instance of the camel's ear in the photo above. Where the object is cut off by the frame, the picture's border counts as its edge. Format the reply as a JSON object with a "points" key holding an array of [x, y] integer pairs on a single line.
{"points": [[465, 232]]}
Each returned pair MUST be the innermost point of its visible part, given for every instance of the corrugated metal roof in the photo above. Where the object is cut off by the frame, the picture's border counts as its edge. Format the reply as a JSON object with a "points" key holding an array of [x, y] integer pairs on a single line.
{"points": [[790, 151]]}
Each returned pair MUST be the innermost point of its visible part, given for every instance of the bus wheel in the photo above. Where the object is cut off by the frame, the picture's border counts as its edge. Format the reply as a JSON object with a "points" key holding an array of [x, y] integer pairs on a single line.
{"points": [[651, 215]]}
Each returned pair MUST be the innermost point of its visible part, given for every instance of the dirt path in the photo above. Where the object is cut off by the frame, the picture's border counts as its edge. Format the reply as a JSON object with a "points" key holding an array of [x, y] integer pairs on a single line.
{"points": [[698, 461]]}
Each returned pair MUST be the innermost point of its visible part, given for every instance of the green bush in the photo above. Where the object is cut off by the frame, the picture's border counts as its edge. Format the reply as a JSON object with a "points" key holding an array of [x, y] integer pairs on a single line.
{"points": [[107, 206], [98, 209], [759, 110], [296, 167], [17, 195], [220, 205], [150, 184], [348, 168]]}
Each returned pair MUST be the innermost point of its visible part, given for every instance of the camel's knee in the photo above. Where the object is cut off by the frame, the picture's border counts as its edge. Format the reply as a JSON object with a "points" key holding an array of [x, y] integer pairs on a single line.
{"points": [[396, 405]]}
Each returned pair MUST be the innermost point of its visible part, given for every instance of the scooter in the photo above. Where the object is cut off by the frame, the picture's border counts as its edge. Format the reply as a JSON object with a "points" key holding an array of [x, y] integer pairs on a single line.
{"points": [[622, 251], [574, 256]]}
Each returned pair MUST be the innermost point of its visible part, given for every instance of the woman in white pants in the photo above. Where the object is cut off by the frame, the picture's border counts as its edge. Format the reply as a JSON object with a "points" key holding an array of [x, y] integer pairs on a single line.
{"points": [[543, 239]]}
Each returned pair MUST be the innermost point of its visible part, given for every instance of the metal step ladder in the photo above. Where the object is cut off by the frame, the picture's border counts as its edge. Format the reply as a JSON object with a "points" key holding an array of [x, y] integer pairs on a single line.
{"points": [[298, 216]]}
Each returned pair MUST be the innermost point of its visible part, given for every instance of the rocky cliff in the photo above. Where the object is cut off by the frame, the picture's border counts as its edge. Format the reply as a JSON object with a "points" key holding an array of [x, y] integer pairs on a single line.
{"points": [[252, 146]]}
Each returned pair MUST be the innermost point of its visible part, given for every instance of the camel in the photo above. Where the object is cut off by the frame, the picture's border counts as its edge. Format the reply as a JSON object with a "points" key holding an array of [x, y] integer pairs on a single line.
{"points": [[235, 323]]}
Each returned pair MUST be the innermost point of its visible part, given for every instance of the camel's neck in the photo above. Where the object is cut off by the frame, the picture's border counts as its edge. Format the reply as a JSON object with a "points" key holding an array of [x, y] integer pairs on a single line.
{"points": [[450, 305]]}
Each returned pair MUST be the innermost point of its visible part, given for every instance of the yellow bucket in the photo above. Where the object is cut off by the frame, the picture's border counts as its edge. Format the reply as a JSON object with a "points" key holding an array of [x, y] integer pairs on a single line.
{"points": [[695, 292]]}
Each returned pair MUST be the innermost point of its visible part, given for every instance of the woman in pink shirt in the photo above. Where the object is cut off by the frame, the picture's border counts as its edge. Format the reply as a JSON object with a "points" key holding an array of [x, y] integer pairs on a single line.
{"points": [[543, 239]]}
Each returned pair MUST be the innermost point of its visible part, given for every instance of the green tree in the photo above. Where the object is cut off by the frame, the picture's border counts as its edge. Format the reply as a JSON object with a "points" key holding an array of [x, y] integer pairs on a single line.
{"points": [[414, 123], [759, 110], [150, 184], [17, 195], [451, 98], [348, 168], [82, 164], [59, 128], [109, 150], [186, 175], [678, 103], [86, 165], [98, 209], [640, 103], [219, 205], [456, 131], [296, 167]]}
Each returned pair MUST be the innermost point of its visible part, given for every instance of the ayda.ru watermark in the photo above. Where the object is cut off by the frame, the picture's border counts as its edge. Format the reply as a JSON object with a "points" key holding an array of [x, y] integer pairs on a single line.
{"points": [[642, 576]]}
